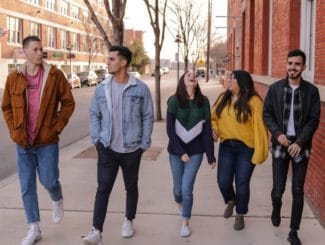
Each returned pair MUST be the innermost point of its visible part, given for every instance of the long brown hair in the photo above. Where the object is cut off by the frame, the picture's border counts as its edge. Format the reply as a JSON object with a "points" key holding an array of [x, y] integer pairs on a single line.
{"points": [[182, 96], [246, 91]]}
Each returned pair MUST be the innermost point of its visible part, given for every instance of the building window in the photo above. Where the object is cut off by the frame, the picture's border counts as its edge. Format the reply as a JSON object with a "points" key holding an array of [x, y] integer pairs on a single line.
{"points": [[307, 36], [85, 16], [50, 37], [64, 39], [74, 42], [35, 29], [36, 2], [14, 27], [50, 4], [75, 12], [64, 7]]}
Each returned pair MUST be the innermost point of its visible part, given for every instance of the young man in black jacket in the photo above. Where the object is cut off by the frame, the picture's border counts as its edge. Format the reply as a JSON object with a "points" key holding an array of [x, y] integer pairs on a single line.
{"points": [[291, 113]]}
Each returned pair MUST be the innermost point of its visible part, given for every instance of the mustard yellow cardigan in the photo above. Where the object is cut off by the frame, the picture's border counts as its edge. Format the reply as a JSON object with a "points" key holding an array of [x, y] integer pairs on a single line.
{"points": [[252, 132]]}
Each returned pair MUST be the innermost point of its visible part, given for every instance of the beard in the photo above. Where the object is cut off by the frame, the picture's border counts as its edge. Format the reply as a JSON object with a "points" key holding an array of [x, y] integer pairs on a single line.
{"points": [[294, 75]]}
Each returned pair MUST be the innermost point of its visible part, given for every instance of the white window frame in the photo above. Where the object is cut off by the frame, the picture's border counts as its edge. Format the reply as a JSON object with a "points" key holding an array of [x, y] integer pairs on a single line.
{"points": [[64, 39], [51, 37], [14, 26], [74, 41], [50, 4], [35, 2], [64, 7], [307, 36], [75, 12], [35, 29]]}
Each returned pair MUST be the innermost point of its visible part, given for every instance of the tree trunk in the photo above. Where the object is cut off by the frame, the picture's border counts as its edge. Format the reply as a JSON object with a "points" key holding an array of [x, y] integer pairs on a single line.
{"points": [[157, 82]]}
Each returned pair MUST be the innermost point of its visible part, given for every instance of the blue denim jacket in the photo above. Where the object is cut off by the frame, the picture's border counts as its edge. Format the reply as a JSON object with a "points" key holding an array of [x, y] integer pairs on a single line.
{"points": [[137, 114]]}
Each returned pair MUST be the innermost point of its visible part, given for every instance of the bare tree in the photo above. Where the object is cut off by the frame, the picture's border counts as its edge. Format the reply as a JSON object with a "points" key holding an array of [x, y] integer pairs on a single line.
{"points": [[199, 49], [186, 16], [158, 27], [115, 15], [92, 42]]}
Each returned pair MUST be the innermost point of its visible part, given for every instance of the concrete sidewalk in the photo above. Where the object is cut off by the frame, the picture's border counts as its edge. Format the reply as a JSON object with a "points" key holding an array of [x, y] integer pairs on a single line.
{"points": [[158, 219]]}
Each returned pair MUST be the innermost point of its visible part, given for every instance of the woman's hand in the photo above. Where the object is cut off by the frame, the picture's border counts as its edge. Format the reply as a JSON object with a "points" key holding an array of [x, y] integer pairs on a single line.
{"points": [[185, 158], [215, 134], [213, 165]]}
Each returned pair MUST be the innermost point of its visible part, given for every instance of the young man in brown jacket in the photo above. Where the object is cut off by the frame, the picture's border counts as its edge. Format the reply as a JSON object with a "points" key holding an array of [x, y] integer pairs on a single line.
{"points": [[37, 104]]}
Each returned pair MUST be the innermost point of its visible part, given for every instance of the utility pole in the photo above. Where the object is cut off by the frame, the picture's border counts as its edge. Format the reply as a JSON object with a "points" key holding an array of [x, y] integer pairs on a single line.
{"points": [[208, 41]]}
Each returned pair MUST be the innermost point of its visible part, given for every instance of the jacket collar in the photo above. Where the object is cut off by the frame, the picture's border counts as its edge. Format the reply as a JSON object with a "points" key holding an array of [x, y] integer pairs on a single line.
{"points": [[132, 81], [46, 66]]}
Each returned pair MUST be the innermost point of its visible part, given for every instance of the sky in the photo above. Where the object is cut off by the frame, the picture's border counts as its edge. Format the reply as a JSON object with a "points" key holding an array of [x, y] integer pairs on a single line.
{"points": [[137, 18]]}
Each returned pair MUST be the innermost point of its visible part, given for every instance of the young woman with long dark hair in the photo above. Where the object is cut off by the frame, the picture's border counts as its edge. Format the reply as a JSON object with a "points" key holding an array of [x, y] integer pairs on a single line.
{"points": [[190, 135], [237, 120]]}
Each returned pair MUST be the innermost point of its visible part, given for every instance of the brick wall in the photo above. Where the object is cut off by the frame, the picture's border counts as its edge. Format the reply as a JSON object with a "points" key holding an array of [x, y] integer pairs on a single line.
{"points": [[320, 44], [315, 180], [286, 36], [285, 33], [261, 37]]}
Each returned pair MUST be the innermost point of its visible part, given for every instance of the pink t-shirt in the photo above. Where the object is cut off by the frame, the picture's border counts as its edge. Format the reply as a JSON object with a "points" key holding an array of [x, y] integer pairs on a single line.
{"points": [[34, 88]]}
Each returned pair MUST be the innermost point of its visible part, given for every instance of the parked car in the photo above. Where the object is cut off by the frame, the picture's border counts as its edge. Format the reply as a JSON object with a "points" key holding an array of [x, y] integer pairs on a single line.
{"points": [[88, 78], [165, 69], [200, 72], [102, 74], [74, 81], [135, 74], [153, 72]]}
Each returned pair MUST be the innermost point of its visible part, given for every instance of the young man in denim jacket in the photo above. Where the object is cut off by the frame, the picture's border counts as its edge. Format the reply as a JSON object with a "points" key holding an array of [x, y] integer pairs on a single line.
{"points": [[121, 122]]}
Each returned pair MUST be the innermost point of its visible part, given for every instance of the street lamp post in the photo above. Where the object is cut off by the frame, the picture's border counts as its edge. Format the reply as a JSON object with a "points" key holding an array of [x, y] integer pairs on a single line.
{"points": [[178, 40], [69, 48]]}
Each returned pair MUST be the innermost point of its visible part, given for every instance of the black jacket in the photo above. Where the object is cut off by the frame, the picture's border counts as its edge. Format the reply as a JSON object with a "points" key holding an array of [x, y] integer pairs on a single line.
{"points": [[273, 112]]}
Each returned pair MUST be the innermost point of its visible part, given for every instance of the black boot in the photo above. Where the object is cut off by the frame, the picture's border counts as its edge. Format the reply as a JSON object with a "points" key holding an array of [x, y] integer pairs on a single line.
{"points": [[293, 238], [275, 217]]}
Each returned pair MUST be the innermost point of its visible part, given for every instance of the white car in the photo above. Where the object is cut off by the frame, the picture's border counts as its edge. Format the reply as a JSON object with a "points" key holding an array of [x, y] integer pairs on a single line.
{"points": [[74, 81], [88, 78], [135, 74], [165, 69]]}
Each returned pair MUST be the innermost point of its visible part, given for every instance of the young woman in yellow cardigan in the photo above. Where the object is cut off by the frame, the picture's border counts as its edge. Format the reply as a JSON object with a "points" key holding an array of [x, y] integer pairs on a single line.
{"points": [[237, 120]]}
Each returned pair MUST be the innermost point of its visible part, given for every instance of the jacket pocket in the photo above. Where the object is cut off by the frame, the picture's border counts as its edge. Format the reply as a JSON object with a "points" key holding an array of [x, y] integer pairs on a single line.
{"points": [[18, 109]]}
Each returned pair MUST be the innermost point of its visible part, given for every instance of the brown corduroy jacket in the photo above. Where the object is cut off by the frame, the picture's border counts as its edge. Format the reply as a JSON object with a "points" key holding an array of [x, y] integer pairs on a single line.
{"points": [[56, 106]]}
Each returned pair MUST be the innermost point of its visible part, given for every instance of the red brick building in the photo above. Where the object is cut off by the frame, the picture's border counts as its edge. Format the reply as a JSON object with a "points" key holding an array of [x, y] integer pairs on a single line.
{"points": [[260, 34], [65, 29]]}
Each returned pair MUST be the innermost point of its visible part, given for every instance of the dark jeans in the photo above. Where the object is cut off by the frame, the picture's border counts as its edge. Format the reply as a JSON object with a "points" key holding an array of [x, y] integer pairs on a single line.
{"points": [[280, 171], [108, 164], [235, 162]]}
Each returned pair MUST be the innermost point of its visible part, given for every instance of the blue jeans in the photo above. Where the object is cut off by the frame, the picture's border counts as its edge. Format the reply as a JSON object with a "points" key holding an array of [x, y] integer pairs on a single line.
{"points": [[235, 162], [183, 179], [44, 160]]}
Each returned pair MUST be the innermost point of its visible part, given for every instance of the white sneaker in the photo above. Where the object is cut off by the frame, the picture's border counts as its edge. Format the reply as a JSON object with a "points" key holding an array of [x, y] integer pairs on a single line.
{"points": [[185, 231], [33, 235], [93, 237], [57, 213], [127, 228]]}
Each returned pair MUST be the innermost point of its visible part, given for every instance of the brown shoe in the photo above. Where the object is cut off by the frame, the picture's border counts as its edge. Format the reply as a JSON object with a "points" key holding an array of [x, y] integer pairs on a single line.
{"points": [[239, 222], [229, 209]]}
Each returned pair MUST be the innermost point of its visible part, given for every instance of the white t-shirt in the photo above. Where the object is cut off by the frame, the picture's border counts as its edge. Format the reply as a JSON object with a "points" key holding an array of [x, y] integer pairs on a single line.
{"points": [[291, 123]]}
